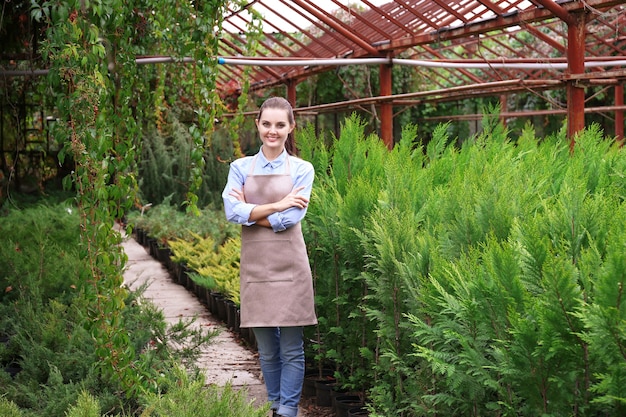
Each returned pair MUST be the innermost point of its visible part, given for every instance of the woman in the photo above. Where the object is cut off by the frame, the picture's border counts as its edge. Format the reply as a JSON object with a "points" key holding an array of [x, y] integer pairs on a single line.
{"points": [[268, 194]]}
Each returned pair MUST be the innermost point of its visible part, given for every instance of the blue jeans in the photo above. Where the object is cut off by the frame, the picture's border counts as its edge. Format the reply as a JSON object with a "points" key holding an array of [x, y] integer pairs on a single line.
{"points": [[281, 350]]}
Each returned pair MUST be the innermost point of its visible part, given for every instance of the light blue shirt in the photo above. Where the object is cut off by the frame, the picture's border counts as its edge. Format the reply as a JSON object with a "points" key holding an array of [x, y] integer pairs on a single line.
{"points": [[302, 174]]}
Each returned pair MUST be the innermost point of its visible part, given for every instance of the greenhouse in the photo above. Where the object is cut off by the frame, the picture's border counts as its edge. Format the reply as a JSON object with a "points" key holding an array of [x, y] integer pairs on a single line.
{"points": [[464, 229]]}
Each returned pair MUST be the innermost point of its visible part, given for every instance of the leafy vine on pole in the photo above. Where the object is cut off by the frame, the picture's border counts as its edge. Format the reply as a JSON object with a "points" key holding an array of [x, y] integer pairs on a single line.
{"points": [[99, 140], [97, 91], [254, 34]]}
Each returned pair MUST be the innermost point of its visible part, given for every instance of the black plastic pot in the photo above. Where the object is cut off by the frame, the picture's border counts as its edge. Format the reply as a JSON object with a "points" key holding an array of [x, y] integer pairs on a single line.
{"points": [[237, 319], [247, 334], [231, 314], [310, 377], [201, 292], [206, 296], [222, 310], [322, 392], [178, 271], [183, 278], [336, 392], [343, 403], [216, 298], [163, 255], [358, 412], [139, 235], [152, 247]]}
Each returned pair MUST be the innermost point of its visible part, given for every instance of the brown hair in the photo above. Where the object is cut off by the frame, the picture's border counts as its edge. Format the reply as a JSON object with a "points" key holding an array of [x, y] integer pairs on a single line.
{"points": [[282, 104]]}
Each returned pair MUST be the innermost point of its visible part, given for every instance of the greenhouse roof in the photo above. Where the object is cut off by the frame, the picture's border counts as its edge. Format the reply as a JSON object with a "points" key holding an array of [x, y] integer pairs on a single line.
{"points": [[456, 49], [451, 43]]}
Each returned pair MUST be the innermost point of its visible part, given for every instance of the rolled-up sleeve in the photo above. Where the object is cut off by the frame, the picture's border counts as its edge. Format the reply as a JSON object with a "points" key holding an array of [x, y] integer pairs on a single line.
{"points": [[239, 212], [236, 211]]}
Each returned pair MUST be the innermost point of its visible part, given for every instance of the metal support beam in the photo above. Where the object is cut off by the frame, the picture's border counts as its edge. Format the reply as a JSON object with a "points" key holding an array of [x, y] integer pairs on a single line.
{"points": [[576, 65], [497, 23], [557, 10], [504, 108], [386, 108], [340, 28], [619, 114], [291, 92]]}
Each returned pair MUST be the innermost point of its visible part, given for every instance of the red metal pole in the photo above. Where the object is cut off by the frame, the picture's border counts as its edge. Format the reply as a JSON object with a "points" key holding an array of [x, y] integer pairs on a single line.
{"points": [[504, 108], [619, 114], [291, 92], [576, 65], [386, 108]]}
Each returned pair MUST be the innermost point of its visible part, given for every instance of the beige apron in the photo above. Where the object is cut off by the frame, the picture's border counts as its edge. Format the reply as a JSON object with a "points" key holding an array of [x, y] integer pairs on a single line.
{"points": [[276, 283]]}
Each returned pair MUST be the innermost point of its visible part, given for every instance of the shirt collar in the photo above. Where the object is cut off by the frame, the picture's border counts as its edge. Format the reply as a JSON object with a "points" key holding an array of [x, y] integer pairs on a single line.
{"points": [[274, 163]]}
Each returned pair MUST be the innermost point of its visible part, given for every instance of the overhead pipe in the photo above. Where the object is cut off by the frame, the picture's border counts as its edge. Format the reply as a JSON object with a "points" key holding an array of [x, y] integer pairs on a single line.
{"points": [[352, 61], [412, 62], [21, 73], [303, 62]]}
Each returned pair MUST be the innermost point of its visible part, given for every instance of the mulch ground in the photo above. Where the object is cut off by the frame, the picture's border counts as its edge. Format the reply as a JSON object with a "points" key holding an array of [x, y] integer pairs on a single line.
{"points": [[309, 408]]}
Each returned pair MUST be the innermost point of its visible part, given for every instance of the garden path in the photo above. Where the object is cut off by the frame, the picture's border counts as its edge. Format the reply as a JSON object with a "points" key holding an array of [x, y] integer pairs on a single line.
{"points": [[225, 359]]}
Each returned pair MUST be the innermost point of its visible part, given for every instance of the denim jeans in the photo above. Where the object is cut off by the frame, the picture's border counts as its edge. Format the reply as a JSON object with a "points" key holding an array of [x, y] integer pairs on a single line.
{"points": [[281, 351]]}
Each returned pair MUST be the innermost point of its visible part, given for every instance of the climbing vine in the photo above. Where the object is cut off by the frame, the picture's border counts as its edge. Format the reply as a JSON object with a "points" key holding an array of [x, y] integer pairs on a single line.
{"points": [[253, 35], [103, 101]]}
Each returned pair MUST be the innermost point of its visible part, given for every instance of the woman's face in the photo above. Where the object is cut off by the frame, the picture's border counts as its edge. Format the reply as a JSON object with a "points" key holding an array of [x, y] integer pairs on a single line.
{"points": [[273, 129]]}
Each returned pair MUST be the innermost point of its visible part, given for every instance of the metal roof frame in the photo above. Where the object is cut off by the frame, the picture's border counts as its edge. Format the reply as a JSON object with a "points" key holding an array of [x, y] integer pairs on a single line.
{"points": [[461, 48], [571, 32]]}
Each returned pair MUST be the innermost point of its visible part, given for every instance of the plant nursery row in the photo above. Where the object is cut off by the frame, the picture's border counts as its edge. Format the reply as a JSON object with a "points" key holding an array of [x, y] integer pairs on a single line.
{"points": [[481, 278], [217, 289], [474, 278]]}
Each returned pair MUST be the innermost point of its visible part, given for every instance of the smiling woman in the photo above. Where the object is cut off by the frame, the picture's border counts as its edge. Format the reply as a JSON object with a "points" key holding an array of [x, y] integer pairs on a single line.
{"points": [[268, 194], [274, 127]]}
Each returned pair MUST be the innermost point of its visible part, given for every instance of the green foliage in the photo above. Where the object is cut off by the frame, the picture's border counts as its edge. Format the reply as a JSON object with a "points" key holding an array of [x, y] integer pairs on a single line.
{"points": [[490, 274], [205, 242], [215, 266], [166, 223], [93, 114], [86, 406], [224, 269], [47, 320], [196, 253], [47, 234], [190, 397], [9, 408], [102, 102], [166, 165]]}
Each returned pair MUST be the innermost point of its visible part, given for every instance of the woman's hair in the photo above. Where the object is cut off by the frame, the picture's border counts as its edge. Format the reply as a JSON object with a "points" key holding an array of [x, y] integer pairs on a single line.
{"points": [[282, 104]]}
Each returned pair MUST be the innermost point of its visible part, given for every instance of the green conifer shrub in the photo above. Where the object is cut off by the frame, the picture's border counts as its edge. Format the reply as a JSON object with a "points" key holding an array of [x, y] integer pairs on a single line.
{"points": [[491, 272], [44, 319], [166, 164], [9, 408], [188, 396]]}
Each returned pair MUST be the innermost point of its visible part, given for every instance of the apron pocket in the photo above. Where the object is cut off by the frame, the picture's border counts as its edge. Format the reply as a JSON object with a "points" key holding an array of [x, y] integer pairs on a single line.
{"points": [[267, 260]]}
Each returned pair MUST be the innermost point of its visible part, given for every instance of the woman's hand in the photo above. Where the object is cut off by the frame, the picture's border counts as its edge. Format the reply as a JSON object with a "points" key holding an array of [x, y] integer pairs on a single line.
{"points": [[292, 200]]}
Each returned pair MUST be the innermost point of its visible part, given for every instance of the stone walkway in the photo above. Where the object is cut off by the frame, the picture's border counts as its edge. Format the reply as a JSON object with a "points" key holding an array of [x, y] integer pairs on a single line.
{"points": [[225, 359]]}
